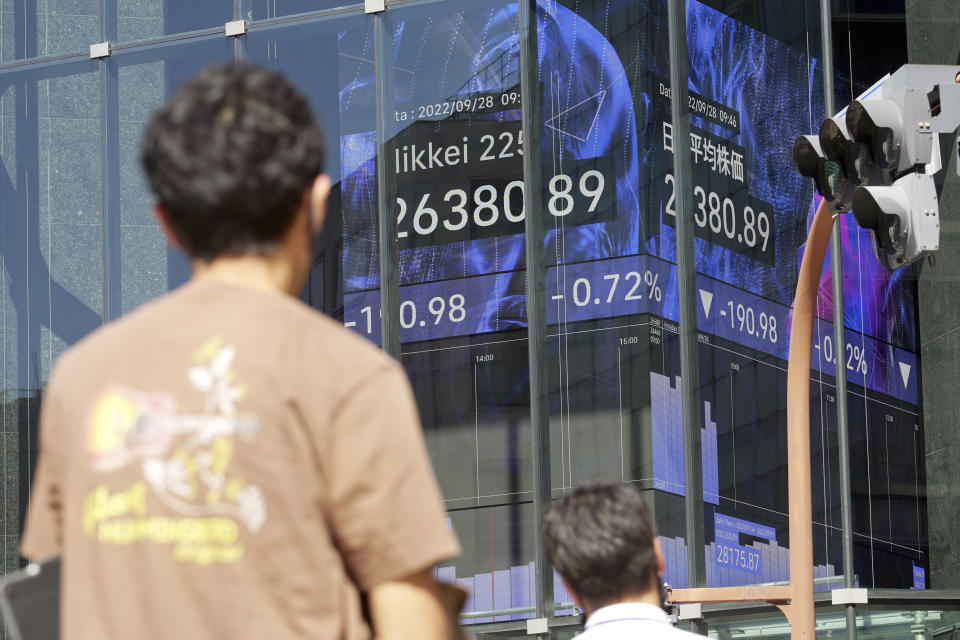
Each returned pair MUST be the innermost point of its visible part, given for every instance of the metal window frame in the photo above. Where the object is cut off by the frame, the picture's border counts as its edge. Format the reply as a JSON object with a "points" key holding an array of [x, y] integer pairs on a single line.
{"points": [[536, 300], [839, 338], [688, 318], [691, 408]]}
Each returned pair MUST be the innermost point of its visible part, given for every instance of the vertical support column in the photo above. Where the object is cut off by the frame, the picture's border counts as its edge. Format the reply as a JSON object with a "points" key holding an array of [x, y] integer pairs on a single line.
{"points": [[839, 340], [110, 188], [687, 284], [24, 29], [239, 49], [536, 291], [108, 20], [30, 302], [110, 167], [387, 236], [242, 10]]}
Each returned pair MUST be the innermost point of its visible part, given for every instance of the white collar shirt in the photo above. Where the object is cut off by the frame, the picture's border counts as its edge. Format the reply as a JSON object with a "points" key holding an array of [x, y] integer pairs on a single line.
{"points": [[633, 621]]}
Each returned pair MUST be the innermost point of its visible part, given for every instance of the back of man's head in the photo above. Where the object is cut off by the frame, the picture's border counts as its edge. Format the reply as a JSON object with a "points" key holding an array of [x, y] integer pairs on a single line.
{"points": [[600, 538], [230, 158]]}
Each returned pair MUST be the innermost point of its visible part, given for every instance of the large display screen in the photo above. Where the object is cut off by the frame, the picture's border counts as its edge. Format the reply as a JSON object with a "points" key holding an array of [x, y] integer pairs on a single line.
{"points": [[453, 155]]}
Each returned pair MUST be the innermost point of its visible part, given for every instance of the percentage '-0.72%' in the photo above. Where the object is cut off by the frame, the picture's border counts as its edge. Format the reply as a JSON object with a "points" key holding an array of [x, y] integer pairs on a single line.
{"points": [[614, 288]]}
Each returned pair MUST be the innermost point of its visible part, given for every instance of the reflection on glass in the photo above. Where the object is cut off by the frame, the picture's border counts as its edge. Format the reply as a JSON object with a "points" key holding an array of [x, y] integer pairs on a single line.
{"points": [[331, 62], [501, 577], [36, 28], [51, 283], [147, 266], [266, 9], [611, 294], [750, 92], [920, 621], [453, 155], [615, 392], [143, 19]]}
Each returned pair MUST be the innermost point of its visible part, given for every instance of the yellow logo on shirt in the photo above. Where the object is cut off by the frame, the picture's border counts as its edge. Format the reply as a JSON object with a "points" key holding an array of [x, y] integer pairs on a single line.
{"points": [[185, 460]]}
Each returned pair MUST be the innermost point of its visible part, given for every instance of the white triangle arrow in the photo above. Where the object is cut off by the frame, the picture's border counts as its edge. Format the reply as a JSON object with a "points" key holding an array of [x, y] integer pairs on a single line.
{"points": [[905, 373], [707, 299], [556, 121]]}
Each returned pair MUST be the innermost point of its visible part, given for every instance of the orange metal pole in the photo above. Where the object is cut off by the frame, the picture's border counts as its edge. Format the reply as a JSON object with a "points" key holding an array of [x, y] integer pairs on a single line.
{"points": [[799, 612], [802, 621]]}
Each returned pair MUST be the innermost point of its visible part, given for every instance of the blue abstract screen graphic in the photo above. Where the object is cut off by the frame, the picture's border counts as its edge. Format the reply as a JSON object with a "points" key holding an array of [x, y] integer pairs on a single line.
{"points": [[614, 118], [452, 150]]}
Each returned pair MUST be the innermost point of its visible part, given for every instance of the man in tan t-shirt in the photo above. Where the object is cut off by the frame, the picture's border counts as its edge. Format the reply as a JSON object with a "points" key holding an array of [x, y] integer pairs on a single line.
{"points": [[225, 462]]}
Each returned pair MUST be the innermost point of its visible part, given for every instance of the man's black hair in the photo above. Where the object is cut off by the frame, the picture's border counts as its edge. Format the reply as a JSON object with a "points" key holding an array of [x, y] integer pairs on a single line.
{"points": [[600, 539], [230, 158]]}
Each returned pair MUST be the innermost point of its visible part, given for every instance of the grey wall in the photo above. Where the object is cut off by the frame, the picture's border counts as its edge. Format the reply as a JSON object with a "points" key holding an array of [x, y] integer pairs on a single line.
{"points": [[932, 38]]}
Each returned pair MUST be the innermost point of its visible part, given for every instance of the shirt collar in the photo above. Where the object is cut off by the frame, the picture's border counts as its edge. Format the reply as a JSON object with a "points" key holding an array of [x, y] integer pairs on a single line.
{"points": [[627, 611]]}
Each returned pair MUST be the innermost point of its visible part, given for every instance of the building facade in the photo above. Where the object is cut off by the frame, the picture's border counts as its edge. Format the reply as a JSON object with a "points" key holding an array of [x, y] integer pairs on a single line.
{"points": [[425, 105]]}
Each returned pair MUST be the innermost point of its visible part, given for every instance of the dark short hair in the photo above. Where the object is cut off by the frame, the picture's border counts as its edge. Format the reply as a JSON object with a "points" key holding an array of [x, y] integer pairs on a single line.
{"points": [[230, 158], [600, 539]]}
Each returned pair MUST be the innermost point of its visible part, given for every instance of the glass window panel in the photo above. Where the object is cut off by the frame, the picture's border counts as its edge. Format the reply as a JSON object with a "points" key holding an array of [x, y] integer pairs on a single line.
{"points": [[756, 83], [32, 28], [750, 221], [143, 19], [880, 354], [455, 186], [51, 286], [612, 350], [320, 56], [906, 617], [616, 391], [930, 35], [146, 266], [265, 9]]}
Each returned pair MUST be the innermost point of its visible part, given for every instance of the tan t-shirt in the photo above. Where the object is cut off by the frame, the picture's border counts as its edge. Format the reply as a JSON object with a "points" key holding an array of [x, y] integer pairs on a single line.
{"points": [[228, 463]]}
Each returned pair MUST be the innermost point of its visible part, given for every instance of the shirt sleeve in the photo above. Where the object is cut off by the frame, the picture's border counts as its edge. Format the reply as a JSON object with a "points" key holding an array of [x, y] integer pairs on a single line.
{"points": [[385, 508], [43, 533]]}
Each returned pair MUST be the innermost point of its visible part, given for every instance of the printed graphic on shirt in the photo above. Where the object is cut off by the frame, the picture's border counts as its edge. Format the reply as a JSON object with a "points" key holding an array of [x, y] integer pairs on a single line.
{"points": [[185, 460]]}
